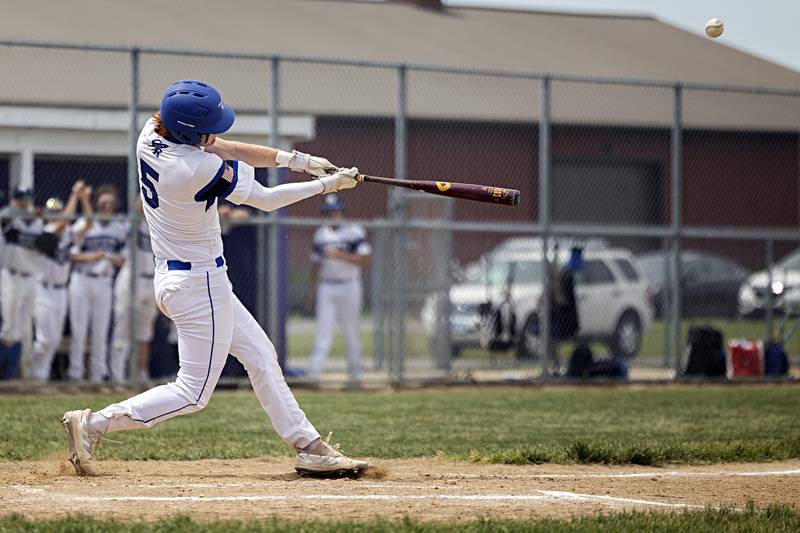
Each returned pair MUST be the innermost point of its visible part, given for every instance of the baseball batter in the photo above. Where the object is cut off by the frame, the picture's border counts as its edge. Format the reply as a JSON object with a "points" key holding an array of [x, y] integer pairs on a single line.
{"points": [[96, 257], [22, 230], [184, 171], [144, 306], [340, 252], [50, 310]]}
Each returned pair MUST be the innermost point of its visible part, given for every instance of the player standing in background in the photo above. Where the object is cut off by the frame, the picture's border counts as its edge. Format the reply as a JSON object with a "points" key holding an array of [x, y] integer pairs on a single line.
{"points": [[184, 169], [144, 303], [50, 310], [91, 284], [340, 253], [22, 230]]}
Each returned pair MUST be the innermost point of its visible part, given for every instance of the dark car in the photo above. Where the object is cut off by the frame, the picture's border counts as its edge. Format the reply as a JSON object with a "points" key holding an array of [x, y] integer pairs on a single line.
{"points": [[709, 284]]}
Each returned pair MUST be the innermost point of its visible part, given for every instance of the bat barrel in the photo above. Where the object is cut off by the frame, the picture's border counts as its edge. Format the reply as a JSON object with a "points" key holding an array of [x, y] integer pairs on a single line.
{"points": [[464, 191]]}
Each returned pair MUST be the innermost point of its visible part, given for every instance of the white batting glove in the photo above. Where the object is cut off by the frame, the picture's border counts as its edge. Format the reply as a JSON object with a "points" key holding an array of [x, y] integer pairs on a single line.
{"points": [[302, 162], [344, 178]]}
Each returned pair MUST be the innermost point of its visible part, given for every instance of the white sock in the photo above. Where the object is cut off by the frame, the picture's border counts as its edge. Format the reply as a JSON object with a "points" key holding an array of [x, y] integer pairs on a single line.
{"points": [[98, 422]]}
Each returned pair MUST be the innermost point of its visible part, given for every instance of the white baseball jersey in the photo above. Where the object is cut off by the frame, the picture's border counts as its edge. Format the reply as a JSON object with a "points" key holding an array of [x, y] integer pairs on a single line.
{"points": [[107, 236], [20, 253], [174, 178], [351, 239], [55, 268]]}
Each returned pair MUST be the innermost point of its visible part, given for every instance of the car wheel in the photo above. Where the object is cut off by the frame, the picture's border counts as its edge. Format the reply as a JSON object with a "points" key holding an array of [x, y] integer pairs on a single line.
{"points": [[529, 345], [627, 339]]}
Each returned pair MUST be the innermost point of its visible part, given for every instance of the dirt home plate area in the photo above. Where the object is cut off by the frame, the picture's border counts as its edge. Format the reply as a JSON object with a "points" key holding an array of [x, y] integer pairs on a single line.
{"points": [[420, 488]]}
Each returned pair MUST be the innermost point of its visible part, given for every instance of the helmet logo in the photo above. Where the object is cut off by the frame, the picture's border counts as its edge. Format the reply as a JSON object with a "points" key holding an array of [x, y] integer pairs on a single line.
{"points": [[182, 123]]}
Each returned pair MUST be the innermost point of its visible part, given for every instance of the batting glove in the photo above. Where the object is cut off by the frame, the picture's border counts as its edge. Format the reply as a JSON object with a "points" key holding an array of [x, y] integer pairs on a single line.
{"points": [[344, 178], [302, 162]]}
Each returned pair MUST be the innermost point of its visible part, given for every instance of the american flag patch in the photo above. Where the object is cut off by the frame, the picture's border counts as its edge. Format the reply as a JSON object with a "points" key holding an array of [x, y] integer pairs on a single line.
{"points": [[227, 175]]}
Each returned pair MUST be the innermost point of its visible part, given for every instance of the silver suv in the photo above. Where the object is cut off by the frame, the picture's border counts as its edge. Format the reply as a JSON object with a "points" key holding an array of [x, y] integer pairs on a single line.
{"points": [[614, 301]]}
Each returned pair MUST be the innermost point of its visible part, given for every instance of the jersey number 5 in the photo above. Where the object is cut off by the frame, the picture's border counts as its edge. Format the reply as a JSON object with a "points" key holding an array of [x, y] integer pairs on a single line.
{"points": [[149, 192]]}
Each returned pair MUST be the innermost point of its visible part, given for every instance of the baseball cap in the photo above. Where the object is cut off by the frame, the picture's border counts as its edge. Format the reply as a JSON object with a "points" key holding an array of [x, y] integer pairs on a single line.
{"points": [[332, 202], [22, 193]]}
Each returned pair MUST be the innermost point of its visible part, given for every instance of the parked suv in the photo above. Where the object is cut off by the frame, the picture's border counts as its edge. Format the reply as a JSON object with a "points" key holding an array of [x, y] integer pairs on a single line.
{"points": [[611, 291], [754, 294]]}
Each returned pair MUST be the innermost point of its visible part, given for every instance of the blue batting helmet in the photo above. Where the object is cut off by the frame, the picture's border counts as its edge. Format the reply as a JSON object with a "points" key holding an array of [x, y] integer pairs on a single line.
{"points": [[190, 109], [332, 203]]}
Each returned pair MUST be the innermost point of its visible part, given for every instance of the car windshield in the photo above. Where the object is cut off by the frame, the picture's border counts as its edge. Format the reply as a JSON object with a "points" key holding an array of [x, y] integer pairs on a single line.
{"points": [[790, 262], [497, 273], [523, 272], [527, 272]]}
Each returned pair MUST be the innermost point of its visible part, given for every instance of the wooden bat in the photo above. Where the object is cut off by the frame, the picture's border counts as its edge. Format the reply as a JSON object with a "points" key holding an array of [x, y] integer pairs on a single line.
{"points": [[465, 191]]}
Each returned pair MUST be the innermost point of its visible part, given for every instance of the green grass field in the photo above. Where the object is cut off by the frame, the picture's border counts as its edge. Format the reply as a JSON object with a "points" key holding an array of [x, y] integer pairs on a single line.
{"points": [[657, 425], [653, 426], [773, 520]]}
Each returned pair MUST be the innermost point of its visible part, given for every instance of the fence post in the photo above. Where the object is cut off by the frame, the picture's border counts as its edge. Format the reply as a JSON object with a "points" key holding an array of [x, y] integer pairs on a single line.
{"points": [[677, 223], [273, 252], [544, 223], [397, 210], [133, 212], [770, 295]]}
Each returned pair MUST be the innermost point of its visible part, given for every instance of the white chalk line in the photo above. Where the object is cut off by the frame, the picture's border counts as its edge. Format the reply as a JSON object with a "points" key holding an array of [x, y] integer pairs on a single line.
{"points": [[551, 496], [675, 474]]}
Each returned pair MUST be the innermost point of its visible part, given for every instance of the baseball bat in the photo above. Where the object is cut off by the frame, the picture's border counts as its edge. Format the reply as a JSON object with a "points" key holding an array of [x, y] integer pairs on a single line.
{"points": [[465, 191]]}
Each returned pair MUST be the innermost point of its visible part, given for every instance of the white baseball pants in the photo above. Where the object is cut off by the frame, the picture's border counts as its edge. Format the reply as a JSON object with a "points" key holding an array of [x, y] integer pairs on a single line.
{"points": [[17, 297], [337, 303], [212, 322], [145, 309], [49, 316], [89, 309]]}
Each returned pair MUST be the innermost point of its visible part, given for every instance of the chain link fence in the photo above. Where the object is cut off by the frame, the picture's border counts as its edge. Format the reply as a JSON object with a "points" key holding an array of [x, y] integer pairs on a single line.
{"points": [[683, 199]]}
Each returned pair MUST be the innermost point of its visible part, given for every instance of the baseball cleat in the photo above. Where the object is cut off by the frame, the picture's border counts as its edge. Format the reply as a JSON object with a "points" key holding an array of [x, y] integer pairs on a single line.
{"points": [[82, 440], [327, 462]]}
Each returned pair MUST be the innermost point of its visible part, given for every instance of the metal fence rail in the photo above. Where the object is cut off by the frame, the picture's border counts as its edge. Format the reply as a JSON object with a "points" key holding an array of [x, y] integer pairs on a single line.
{"points": [[645, 165]]}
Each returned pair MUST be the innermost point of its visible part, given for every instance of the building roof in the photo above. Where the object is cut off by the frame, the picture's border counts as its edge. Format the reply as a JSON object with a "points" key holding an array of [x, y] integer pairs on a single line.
{"points": [[568, 43]]}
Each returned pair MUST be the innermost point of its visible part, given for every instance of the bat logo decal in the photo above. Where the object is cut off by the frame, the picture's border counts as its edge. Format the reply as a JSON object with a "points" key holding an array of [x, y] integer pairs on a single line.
{"points": [[442, 185]]}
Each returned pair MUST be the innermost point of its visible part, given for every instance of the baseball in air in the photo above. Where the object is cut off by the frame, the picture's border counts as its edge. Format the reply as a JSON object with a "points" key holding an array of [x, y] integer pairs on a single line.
{"points": [[714, 28]]}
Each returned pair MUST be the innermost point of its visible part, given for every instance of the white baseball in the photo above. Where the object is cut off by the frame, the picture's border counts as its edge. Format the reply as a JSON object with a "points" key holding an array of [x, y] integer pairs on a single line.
{"points": [[714, 28]]}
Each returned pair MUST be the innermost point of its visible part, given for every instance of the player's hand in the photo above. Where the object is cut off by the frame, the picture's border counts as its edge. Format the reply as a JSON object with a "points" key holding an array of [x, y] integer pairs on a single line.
{"points": [[319, 166], [302, 162], [344, 178]]}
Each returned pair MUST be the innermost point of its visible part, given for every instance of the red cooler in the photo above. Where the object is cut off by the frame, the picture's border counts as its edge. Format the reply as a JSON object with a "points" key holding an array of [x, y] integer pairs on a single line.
{"points": [[745, 358]]}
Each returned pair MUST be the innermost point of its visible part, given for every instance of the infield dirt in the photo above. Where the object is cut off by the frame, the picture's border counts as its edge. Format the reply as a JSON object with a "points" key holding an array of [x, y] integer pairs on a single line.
{"points": [[424, 489]]}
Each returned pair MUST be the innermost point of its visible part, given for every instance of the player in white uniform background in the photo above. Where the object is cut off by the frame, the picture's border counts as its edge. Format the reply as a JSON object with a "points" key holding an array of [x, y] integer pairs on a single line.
{"points": [[144, 306], [21, 230], [340, 252], [96, 257], [185, 171], [50, 311]]}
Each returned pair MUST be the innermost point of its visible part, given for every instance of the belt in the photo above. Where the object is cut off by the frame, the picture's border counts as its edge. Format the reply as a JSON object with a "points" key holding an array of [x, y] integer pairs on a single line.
{"points": [[93, 275], [336, 281], [18, 273], [174, 264], [47, 285], [148, 276]]}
